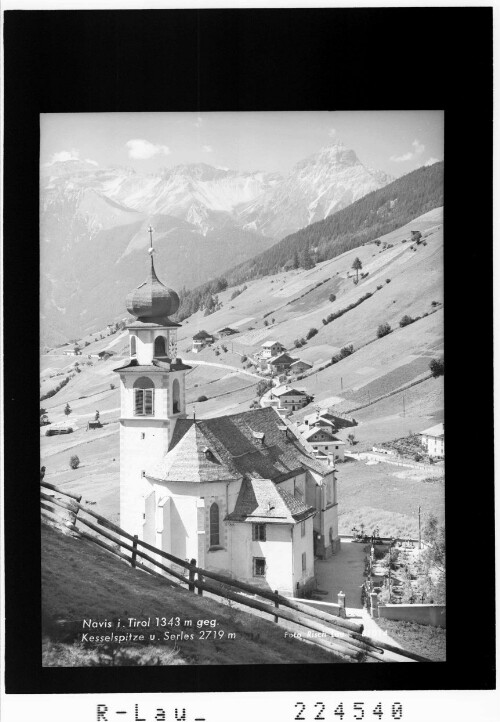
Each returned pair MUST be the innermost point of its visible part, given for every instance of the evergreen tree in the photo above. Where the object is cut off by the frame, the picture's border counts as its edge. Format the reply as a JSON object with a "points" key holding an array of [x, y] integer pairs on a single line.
{"points": [[295, 259], [67, 409], [357, 265]]}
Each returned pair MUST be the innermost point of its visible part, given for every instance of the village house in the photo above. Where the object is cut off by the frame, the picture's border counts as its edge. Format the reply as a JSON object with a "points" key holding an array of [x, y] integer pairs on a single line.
{"points": [[200, 340], [227, 331], [433, 441], [323, 440], [270, 349], [279, 364], [240, 494], [299, 367], [290, 398]]}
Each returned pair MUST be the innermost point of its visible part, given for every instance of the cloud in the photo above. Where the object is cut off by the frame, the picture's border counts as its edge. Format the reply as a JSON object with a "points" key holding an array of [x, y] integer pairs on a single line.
{"points": [[198, 122], [418, 149], [207, 149], [64, 155], [332, 132], [141, 149], [431, 161]]}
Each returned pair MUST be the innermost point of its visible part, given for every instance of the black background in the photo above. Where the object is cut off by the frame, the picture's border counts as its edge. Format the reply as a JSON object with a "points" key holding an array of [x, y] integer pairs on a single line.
{"points": [[208, 60]]}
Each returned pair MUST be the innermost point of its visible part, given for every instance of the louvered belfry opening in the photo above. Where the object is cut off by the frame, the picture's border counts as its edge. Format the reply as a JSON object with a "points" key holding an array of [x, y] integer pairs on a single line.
{"points": [[143, 397]]}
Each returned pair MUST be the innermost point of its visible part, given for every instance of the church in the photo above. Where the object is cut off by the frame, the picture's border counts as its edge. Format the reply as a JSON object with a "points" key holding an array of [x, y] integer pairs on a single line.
{"points": [[241, 494]]}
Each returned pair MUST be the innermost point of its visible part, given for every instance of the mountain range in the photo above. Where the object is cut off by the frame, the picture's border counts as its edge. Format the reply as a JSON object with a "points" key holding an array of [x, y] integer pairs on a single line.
{"points": [[93, 226]]}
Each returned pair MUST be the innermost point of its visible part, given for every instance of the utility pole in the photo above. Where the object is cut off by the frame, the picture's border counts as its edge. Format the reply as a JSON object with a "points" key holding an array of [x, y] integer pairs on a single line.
{"points": [[404, 413], [341, 384], [419, 533]]}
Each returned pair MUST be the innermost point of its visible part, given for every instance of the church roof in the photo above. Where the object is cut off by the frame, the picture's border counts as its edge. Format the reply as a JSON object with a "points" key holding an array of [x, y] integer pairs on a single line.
{"points": [[152, 302], [278, 455], [260, 500], [192, 460]]}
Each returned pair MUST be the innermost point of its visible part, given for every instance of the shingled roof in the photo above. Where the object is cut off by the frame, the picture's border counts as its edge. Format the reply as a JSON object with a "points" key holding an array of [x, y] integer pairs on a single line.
{"points": [[276, 456], [193, 460], [259, 500]]}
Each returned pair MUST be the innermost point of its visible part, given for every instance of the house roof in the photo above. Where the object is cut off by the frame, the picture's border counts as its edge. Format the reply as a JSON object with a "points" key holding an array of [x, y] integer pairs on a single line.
{"points": [[318, 430], [261, 500], [201, 335], [276, 456], [437, 430], [269, 344], [302, 363], [227, 329], [284, 390], [282, 358]]}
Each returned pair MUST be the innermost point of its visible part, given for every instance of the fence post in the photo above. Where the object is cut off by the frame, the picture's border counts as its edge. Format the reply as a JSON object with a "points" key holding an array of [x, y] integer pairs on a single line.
{"points": [[134, 553], [341, 603], [200, 579], [374, 604], [74, 513], [276, 604], [191, 576]]}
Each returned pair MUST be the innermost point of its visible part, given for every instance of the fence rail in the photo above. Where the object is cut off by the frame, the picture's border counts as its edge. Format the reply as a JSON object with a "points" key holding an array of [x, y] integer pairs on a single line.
{"points": [[339, 635]]}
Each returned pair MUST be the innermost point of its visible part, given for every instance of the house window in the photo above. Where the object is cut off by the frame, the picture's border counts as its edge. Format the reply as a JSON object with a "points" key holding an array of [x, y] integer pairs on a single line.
{"points": [[259, 532], [143, 435], [214, 525], [302, 528], [328, 493], [133, 345], [330, 535], [143, 397], [304, 562], [259, 567]]}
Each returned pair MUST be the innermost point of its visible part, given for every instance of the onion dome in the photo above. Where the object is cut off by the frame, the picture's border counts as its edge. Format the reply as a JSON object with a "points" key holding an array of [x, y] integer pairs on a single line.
{"points": [[152, 302]]}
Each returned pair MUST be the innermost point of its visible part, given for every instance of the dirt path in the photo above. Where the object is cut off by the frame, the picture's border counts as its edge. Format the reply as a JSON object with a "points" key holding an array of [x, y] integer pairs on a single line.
{"points": [[223, 366]]}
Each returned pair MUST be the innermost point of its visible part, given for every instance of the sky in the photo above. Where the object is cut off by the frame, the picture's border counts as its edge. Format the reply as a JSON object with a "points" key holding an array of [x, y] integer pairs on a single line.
{"points": [[396, 142]]}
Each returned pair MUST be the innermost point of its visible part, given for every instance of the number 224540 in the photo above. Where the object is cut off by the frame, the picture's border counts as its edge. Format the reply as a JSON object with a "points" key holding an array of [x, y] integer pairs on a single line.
{"points": [[359, 711]]}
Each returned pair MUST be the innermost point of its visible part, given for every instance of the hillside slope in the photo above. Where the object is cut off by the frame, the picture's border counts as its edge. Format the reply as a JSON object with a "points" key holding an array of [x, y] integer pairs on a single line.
{"points": [[80, 581]]}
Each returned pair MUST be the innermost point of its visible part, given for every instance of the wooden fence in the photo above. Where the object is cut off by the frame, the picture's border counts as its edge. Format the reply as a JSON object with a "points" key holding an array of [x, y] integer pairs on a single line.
{"points": [[339, 635]]}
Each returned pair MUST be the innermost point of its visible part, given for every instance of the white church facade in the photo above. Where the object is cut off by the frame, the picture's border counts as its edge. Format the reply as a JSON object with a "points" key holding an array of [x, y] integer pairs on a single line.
{"points": [[239, 494]]}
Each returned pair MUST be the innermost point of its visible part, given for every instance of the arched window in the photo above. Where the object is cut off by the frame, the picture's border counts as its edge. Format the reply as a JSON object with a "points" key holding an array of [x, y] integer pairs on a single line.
{"points": [[176, 397], [144, 397], [214, 525], [160, 346], [133, 346]]}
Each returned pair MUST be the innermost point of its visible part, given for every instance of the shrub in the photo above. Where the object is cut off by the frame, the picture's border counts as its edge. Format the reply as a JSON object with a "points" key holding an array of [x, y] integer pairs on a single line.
{"points": [[266, 322], [297, 343], [383, 330], [332, 297], [74, 462], [435, 303], [437, 367], [67, 409], [202, 398], [312, 332], [387, 280], [303, 341], [346, 351], [263, 386], [111, 386], [379, 287], [351, 439], [406, 320], [418, 457], [243, 359]]}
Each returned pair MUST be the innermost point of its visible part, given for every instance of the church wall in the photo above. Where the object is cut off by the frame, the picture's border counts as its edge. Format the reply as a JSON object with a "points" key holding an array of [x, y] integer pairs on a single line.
{"points": [[276, 550], [136, 454], [301, 545]]}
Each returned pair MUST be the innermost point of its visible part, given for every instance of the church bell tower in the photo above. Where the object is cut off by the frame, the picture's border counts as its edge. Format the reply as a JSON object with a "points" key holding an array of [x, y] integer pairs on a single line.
{"points": [[153, 397]]}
